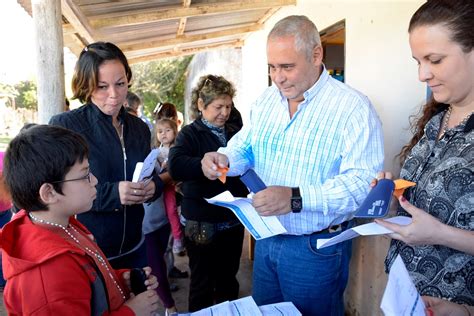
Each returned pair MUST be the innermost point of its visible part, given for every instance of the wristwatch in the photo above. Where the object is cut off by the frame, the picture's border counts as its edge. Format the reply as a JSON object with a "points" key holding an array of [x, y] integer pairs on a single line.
{"points": [[296, 200]]}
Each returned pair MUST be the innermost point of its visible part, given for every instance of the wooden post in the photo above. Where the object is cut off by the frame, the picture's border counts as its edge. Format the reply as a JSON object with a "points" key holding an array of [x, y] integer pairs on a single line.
{"points": [[49, 58]]}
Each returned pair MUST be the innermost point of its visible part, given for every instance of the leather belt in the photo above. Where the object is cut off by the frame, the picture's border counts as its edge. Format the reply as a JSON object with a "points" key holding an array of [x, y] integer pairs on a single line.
{"points": [[332, 229]]}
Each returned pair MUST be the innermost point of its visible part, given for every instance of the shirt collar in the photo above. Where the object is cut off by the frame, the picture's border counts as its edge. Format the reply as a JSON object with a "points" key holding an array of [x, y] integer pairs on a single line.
{"points": [[318, 85], [121, 116], [314, 89], [469, 124]]}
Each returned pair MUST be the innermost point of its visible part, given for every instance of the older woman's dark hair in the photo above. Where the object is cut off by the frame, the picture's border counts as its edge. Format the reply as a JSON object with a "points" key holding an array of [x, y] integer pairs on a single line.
{"points": [[457, 16], [208, 88], [40, 154], [86, 72]]}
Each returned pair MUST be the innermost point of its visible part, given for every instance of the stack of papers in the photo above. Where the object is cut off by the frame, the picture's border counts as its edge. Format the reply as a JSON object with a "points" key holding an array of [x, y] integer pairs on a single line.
{"points": [[247, 306]]}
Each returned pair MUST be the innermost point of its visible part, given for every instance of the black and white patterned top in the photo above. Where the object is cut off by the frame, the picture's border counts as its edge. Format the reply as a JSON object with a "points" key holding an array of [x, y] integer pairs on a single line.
{"points": [[444, 172]]}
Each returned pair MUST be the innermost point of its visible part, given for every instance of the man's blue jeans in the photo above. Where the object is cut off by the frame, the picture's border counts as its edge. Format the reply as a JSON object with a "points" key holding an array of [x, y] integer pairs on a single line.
{"points": [[290, 268]]}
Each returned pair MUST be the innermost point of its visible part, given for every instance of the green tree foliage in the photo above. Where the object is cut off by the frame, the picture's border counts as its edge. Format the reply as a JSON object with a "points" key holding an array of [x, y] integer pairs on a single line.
{"points": [[8, 91], [26, 97], [23, 92], [160, 81]]}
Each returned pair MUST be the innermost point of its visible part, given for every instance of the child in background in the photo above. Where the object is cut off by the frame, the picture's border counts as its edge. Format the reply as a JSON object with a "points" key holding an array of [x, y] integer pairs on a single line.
{"points": [[51, 262], [165, 133]]}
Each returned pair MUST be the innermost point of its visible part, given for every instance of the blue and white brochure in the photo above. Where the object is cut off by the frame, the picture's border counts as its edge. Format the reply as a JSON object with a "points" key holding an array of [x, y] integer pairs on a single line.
{"points": [[258, 226]]}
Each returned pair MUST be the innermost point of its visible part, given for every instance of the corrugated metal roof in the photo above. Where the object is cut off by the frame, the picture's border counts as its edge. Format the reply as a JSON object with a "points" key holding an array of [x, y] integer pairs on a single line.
{"points": [[152, 29]]}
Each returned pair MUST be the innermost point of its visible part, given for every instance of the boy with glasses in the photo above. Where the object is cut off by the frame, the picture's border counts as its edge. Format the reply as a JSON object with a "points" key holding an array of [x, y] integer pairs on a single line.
{"points": [[51, 261]]}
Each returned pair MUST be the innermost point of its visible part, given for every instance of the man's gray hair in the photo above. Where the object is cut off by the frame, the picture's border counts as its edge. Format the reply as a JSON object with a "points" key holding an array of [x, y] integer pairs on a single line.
{"points": [[303, 29]]}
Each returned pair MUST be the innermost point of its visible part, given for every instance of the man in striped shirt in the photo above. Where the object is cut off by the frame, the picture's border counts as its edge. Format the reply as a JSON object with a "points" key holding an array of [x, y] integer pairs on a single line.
{"points": [[316, 143]]}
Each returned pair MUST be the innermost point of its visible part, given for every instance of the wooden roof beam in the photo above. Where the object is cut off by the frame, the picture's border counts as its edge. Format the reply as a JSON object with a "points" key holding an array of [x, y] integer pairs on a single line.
{"points": [[148, 15], [182, 21], [175, 52], [74, 43], [77, 19], [138, 45]]}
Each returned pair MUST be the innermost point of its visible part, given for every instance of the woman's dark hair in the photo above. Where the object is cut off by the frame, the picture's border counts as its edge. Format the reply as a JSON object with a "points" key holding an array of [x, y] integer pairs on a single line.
{"points": [[418, 123], [86, 72], [208, 88], [165, 110], [455, 15], [458, 18], [155, 143], [37, 155]]}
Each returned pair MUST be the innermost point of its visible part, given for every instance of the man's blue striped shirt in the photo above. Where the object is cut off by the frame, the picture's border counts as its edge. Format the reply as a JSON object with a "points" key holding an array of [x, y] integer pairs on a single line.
{"points": [[332, 148]]}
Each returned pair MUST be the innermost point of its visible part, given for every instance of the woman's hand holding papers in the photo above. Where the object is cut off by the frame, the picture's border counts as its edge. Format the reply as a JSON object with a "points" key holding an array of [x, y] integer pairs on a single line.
{"points": [[426, 229], [440, 307], [422, 229], [136, 192]]}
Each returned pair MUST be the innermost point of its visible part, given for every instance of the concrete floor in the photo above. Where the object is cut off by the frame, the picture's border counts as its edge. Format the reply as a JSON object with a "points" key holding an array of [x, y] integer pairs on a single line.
{"points": [[244, 277], [181, 296]]}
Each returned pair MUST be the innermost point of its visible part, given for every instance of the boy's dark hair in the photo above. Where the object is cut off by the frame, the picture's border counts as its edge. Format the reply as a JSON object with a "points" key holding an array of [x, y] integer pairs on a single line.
{"points": [[40, 154], [133, 101]]}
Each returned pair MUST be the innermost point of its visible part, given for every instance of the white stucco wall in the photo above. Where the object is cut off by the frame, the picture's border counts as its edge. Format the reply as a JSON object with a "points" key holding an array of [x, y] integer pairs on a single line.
{"points": [[378, 59], [224, 62]]}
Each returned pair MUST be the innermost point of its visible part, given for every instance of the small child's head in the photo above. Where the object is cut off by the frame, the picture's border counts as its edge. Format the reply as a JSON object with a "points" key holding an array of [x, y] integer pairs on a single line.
{"points": [[164, 132], [46, 158]]}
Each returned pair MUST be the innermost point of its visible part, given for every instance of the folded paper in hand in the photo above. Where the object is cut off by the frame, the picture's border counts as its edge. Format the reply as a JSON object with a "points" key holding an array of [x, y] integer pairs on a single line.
{"points": [[144, 169], [259, 226], [363, 230], [223, 172], [377, 202]]}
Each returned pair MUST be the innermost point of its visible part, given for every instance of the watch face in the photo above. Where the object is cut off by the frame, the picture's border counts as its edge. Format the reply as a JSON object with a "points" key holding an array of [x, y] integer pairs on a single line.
{"points": [[296, 204]]}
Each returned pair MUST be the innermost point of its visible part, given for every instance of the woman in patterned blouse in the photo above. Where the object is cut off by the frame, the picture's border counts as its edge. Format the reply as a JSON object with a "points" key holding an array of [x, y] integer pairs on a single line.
{"points": [[438, 247]]}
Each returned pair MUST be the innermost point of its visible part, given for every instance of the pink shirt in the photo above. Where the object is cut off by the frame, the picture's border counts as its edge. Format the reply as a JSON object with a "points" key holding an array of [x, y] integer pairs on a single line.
{"points": [[4, 203]]}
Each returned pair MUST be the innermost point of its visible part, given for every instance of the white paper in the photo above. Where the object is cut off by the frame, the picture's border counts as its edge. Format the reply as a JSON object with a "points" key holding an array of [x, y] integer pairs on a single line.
{"points": [[144, 169], [242, 306], [280, 309], [363, 230], [221, 309], [137, 171], [258, 226], [245, 306], [401, 297]]}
